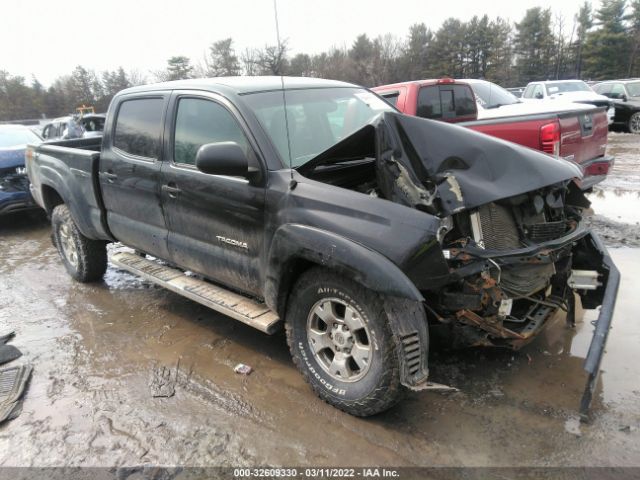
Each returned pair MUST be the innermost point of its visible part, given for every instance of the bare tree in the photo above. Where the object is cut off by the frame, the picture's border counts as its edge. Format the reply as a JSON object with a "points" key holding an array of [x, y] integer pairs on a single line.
{"points": [[249, 60], [272, 60]]}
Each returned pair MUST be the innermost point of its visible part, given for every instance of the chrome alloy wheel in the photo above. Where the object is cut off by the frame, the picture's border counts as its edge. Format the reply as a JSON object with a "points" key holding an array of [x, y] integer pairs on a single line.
{"points": [[339, 339], [68, 244]]}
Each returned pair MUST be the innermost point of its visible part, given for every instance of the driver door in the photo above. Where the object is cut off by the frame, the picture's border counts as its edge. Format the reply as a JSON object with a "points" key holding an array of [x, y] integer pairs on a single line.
{"points": [[215, 222]]}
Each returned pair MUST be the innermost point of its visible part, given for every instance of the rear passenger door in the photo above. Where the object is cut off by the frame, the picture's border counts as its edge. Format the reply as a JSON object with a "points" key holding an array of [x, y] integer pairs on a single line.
{"points": [[130, 173], [216, 222]]}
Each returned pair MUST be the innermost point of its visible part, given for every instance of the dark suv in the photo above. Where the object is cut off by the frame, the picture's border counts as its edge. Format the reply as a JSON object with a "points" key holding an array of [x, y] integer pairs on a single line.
{"points": [[626, 97]]}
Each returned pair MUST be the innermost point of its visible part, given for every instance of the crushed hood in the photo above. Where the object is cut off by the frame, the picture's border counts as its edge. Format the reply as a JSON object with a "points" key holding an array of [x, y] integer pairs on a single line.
{"points": [[444, 168]]}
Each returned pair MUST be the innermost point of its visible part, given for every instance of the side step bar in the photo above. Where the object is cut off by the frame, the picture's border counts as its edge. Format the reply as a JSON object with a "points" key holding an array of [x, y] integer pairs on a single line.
{"points": [[234, 305]]}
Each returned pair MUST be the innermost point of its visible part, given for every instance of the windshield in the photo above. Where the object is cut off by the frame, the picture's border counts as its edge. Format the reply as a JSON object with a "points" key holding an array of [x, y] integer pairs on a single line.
{"points": [[318, 118], [633, 89], [490, 95], [13, 137], [563, 87]]}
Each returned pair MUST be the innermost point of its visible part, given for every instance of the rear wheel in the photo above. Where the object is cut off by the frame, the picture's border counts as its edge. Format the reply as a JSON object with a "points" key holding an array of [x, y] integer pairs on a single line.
{"points": [[84, 259], [634, 123], [340, 340]]}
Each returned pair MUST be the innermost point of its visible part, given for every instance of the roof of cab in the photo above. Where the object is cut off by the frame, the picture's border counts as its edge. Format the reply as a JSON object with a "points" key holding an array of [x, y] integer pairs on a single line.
{"points": [[239, 85]]}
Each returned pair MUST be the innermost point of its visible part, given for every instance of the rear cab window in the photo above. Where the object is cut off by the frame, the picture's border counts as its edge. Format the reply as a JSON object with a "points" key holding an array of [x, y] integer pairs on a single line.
{"points": [[453, 103], [138, 127]]}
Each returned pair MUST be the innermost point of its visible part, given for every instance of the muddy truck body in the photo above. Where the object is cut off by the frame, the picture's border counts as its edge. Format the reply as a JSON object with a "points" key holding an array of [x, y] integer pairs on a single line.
{"points": [[357, 228]]}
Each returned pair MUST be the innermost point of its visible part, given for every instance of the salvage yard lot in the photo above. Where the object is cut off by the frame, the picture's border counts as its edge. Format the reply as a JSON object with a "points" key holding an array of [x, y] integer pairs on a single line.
{"points": [[96, 350]]}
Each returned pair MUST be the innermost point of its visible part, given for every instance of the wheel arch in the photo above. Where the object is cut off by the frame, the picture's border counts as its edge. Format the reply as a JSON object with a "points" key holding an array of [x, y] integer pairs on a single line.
{"points": [[296, 248]]}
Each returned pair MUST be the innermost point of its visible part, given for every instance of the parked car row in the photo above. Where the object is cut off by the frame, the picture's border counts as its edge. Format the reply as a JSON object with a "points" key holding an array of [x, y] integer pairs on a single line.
{"points": [[65, 128], [625, 95], [14, 184], [575, 91], [572, 131], [621, 96]]}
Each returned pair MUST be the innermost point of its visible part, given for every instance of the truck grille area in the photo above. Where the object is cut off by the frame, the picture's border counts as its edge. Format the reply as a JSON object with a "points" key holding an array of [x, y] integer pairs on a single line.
{"points": [[499, 230], [14, 182], [543, 232]]}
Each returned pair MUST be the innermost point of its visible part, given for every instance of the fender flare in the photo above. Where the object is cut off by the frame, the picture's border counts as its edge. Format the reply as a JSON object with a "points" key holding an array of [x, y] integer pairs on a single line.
{"points": [[293, 242], [54, 180]]}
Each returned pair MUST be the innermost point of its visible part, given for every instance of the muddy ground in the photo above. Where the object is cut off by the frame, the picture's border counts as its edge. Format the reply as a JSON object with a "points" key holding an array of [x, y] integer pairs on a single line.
{"points": [[95, 349]]}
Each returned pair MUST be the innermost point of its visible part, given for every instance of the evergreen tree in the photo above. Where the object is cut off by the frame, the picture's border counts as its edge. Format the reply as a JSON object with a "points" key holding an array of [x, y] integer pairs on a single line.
{"points": [[534, 45], [222, 61], [634, 62], [178, 68], [584, 22], [414, 60], [606, 50]]}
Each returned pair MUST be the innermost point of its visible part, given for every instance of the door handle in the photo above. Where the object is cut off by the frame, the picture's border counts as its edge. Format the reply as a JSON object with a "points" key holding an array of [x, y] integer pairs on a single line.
{"points": [[171, 189], [110, 176]]}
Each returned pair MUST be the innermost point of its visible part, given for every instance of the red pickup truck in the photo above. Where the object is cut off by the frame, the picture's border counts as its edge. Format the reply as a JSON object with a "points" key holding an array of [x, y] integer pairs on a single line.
{"points": [[578, 134]]}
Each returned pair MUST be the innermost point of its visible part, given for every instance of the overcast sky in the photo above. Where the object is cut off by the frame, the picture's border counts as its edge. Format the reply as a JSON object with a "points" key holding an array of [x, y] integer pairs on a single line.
{"points": [[48, 39]]}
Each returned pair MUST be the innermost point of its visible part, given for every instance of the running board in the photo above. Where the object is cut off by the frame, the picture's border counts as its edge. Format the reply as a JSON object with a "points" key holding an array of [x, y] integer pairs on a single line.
{"points": [[236, 306]]}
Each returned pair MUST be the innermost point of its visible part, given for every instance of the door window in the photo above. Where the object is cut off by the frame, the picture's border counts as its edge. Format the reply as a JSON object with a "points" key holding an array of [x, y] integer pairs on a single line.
{"points": [[603, 89], [617, 91], [199, 122], [528, 92], [138, 127], [538, 91]]}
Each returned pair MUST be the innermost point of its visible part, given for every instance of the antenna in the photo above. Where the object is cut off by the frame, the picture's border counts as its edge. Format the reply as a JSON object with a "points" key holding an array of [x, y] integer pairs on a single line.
{"points": [[284, 97]]}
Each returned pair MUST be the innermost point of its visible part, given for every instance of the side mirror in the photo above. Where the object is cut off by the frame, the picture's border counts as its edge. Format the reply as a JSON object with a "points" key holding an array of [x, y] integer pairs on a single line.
{"points": [[623, 97], [539, 96], [222, 158]]}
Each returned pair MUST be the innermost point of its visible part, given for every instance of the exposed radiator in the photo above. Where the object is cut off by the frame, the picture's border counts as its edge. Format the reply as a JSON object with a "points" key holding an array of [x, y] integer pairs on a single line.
{"points": [[499, 231]]}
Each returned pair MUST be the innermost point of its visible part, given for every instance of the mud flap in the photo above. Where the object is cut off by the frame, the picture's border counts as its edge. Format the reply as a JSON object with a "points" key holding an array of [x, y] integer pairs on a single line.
{"points": [[13, 381], [408, 322], [594, 248]]}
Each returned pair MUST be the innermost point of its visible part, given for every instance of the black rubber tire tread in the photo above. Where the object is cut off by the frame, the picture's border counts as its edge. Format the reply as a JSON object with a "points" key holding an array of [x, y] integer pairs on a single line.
{"points": [[92, 254], [629, 128], [388, 390]]}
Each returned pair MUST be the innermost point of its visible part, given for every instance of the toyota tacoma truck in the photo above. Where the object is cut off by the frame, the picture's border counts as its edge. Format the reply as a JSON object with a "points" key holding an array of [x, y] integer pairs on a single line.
{"points": [[574, 132], [356, 228]]}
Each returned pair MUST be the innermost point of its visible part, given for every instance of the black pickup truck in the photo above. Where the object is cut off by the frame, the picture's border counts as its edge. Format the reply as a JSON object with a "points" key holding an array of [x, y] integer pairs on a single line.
{"points": [[358, 229]]}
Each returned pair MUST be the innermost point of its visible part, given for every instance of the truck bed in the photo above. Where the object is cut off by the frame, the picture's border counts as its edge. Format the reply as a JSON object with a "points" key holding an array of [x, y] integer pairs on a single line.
{"points": [[70, 167]]}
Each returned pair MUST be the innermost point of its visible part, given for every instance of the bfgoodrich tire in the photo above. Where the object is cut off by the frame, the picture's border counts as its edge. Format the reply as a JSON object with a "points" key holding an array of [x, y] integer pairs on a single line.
{"points": [[634, 123], [84, 259], [340, 340]]}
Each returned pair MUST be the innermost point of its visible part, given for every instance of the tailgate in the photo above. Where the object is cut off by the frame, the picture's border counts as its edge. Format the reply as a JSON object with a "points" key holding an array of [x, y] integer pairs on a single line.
{"points": [[583, 134]]}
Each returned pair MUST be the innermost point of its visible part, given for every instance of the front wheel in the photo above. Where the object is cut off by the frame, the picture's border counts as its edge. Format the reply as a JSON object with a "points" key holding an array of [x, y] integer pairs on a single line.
{"points": [[84, 259], [340, 340], [634, 123]]}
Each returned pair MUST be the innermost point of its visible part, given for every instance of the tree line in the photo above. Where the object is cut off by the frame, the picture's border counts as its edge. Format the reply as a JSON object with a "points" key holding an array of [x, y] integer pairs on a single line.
{"points": [[596, 44]]}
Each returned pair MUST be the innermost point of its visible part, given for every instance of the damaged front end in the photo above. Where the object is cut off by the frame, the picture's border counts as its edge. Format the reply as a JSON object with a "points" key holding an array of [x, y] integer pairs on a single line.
{"points": [[514, 249], [512, 237]]}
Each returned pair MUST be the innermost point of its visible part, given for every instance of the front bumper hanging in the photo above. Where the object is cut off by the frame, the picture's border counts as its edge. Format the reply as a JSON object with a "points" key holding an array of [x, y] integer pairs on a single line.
{"points": [[602, 324]]}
